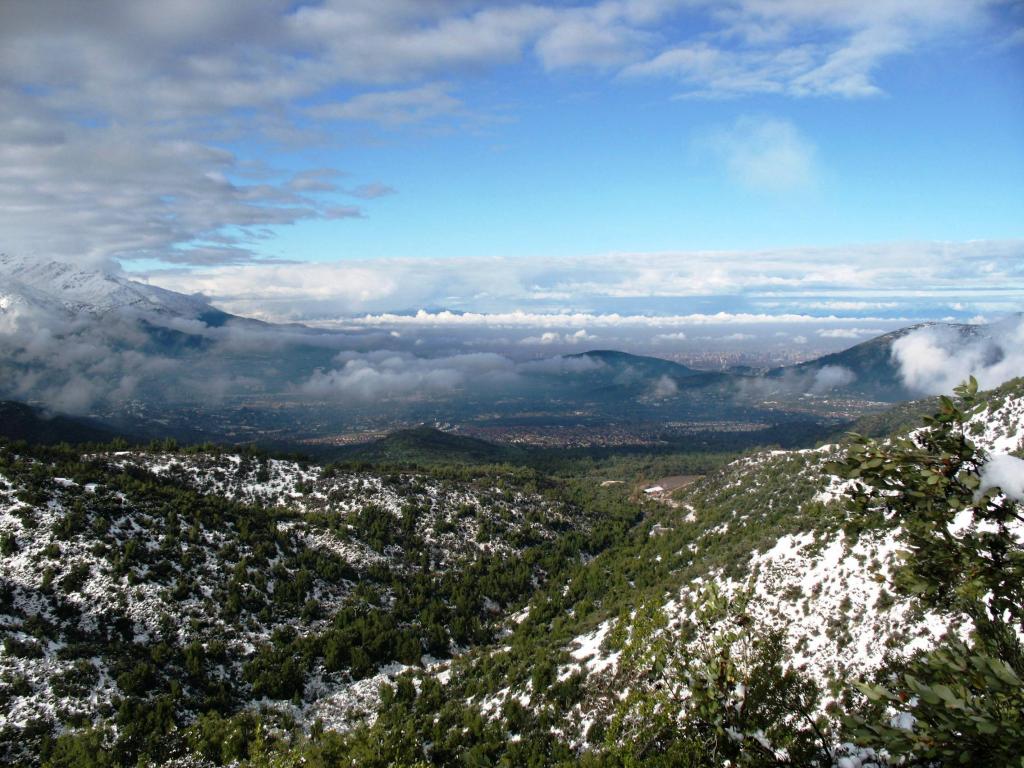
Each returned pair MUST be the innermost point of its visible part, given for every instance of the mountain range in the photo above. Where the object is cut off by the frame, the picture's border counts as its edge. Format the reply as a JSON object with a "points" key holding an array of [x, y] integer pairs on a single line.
{"points": [[149, 361]]}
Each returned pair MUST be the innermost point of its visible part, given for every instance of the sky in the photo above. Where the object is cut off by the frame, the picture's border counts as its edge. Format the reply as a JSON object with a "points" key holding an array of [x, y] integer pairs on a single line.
{"points": [[745, 160]]}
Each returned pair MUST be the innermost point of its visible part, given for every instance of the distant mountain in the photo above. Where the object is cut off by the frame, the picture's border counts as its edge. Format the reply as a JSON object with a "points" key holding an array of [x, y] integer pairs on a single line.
{"points": [[651, 366], [93, 291], [202, 373], [875, 373], [614, 370], [19, 421]]}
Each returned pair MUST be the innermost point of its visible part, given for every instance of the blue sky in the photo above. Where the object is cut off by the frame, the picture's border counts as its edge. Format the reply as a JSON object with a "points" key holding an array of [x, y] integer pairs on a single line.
{"points": [[637, 156], [588, 164]]}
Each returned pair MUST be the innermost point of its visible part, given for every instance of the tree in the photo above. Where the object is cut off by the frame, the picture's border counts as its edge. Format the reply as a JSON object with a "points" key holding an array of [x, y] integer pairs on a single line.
{"points": [[962, 703], [718, 693]]}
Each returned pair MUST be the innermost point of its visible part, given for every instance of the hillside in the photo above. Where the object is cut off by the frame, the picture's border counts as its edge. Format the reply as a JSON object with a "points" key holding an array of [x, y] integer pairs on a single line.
{"points": [[191, 582], [870, 369], [761, 549], [157, 602], [426, 446], [19, 421]]}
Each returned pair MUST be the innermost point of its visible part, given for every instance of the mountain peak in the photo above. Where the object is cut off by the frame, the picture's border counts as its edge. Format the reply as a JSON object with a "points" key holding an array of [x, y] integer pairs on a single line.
{"points": [[95, 291]]}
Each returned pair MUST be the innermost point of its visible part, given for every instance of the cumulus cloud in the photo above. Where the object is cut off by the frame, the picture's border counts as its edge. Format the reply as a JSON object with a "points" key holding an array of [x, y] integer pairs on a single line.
{"points": [[935, 359], [552, 337]]}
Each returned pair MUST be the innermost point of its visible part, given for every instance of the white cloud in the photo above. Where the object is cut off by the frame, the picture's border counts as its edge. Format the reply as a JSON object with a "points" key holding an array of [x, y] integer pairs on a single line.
{"points": [[552, 337], [380, 375], [600, 36], [849, 333], [934, 360], [114, 115], [803, 49], [798, 280], [836, 305], [829, 377], [397, 107], [520, 319], [664, 387], [1004, 472], [765, 153]]}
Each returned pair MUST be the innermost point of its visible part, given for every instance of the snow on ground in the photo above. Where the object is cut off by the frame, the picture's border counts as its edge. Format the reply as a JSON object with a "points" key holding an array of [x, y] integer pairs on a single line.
{"points": [[589, 650], [830, 599], [826, 593], [998, 427]]}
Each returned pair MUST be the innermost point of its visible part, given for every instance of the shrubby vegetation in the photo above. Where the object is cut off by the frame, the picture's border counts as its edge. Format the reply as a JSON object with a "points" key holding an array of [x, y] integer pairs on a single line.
{"points": [[963, 701], [567, 557]]}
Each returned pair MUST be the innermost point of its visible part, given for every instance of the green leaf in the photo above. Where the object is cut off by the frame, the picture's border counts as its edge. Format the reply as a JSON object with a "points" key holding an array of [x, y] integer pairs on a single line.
{"points": [[1003, 671], [946, 694]]}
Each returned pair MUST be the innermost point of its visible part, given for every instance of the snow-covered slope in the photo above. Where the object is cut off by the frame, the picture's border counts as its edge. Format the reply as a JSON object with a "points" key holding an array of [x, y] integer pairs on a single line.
{"points": [[133, 574], [767, 532], [76, 290]]}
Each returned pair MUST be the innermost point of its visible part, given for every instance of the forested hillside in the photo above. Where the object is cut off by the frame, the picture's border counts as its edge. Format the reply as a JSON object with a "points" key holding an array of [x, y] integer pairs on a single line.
{"points": [[208, 607]]}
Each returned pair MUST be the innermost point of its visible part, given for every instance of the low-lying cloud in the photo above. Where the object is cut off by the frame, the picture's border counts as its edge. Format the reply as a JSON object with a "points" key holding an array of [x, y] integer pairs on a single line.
{"points": [[664, 387], [373, 376], [935, 359], [830, 285], [830, 377], [1004, 472], [381, 375]]}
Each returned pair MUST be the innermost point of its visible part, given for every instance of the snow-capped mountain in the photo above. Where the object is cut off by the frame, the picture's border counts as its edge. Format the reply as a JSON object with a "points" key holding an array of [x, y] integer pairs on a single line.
{"points": [[96, 292]]}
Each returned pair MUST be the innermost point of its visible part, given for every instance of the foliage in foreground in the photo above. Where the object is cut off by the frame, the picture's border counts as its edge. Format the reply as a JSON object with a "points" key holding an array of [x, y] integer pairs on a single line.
{"points": [[963, 702]]}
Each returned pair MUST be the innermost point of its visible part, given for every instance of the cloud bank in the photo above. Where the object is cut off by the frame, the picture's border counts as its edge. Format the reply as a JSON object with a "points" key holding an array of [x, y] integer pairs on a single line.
{"points": [[934, 360], [841, 281], [381, 375]]}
